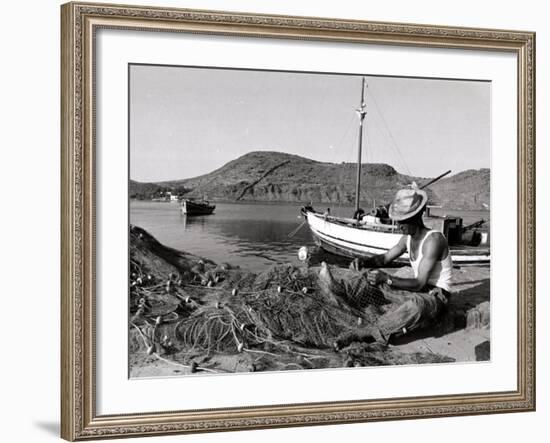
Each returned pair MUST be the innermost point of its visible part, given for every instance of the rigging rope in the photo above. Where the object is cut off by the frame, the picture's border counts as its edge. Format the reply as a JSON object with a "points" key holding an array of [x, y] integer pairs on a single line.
{"points": [[395, 146]]}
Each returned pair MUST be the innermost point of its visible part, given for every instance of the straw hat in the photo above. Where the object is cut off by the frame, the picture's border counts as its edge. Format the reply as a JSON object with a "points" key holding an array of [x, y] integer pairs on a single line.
{"points": [[407, 203]]}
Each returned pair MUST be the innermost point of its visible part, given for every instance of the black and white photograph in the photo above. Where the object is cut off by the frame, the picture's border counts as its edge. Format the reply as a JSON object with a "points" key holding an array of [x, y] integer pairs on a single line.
{"points": [[290, 221]]}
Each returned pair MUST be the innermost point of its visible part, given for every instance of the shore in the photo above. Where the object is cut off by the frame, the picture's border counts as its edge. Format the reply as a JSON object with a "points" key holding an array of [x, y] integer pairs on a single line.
{"points": [[180, 304]]}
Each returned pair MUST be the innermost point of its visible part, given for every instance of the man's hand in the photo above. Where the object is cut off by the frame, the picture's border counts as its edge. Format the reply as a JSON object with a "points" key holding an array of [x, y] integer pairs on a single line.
{"points": [[381, 260], [356, 265], [376, 277]]}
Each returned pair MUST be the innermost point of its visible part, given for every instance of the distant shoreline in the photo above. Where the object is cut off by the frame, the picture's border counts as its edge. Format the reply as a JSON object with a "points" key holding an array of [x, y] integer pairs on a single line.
{"points": [[297, 204]]}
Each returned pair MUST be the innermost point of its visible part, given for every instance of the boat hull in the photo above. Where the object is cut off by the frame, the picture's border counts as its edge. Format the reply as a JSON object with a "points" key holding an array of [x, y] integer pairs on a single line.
{"points": [[191, 208], [353, 242]]}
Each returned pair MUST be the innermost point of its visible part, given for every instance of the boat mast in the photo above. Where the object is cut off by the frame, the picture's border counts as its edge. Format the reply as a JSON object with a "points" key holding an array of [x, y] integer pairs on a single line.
{"points": [[361, 112]]}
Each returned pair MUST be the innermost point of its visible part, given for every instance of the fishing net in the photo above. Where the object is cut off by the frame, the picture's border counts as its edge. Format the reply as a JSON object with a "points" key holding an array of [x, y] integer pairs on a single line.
{"points": [[222, 310], [281, 305], [360, 294]]}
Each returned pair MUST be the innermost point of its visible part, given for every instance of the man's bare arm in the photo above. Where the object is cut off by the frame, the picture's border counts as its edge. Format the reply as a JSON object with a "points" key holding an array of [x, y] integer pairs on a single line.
{"points": [[431, 251], [381, 260]]}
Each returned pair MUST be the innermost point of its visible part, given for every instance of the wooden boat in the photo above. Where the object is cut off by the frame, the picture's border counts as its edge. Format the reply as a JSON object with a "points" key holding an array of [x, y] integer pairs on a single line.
{"points": [[375, 233], [351, 238], [196, 207]]}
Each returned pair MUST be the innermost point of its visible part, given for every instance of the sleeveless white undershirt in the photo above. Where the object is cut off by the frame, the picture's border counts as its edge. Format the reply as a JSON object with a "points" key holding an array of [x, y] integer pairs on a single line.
{"points": [[441, 275]]}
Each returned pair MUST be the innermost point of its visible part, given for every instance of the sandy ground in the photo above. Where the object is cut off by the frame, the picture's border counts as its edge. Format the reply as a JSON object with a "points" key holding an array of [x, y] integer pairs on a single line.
{"points": [[463, 335]]}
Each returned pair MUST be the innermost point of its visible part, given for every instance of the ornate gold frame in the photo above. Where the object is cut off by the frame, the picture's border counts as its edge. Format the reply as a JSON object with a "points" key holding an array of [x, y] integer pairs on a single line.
{"points": [[78, 417]]}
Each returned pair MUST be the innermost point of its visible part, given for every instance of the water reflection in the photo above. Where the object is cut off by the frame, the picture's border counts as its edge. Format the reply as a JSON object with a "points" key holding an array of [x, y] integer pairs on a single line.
{"points": [[198, 221]]}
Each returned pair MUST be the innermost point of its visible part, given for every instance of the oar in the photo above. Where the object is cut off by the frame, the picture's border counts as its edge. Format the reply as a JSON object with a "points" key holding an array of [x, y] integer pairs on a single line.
{"points": [[293, 233], [433, 180]]}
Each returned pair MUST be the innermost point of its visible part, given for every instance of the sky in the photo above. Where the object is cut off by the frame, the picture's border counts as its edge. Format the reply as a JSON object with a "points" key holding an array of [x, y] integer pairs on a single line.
{"points": [[187, 121]]}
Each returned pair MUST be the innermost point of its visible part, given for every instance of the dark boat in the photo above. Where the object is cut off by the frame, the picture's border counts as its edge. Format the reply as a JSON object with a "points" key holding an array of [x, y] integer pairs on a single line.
{"points": [[197, 207]]}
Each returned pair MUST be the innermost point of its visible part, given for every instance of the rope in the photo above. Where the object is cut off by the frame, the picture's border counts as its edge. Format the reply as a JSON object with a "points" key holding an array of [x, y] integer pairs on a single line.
{"points": [[201, 368], [395, 146], [295, 231]]}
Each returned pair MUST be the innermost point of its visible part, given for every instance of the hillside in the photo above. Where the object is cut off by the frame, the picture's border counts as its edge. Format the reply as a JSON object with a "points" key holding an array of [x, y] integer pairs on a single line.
{"points": [[278, 177], [468, 189]]}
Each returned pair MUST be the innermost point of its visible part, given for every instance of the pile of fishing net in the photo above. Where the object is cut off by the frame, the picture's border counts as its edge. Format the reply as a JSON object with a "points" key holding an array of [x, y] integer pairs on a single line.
{"points": [[279, 306]]}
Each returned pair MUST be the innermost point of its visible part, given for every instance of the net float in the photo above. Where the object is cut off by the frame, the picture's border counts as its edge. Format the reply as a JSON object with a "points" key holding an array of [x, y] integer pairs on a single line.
{"points": [[303, 253]]}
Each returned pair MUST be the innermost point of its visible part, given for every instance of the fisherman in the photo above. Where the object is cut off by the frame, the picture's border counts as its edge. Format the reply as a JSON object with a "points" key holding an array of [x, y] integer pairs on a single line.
{"points": [[417, 301], [358, 214]]}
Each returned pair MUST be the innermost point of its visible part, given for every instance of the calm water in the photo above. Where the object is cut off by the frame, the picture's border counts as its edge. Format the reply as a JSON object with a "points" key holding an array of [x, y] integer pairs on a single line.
{"points": [[249, 235]]}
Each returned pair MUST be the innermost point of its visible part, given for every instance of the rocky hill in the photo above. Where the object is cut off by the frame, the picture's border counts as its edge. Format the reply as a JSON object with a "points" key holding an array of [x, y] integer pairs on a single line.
{"points": [[468, 189], [280, 177]]}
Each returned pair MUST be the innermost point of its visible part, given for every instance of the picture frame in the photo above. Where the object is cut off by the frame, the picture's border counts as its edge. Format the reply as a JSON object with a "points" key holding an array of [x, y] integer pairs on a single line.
{"points": [[81, 22]]}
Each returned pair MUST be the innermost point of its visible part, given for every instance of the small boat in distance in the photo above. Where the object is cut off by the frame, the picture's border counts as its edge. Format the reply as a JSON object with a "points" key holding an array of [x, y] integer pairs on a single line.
{"points": [[374, 233], [191, 206]]}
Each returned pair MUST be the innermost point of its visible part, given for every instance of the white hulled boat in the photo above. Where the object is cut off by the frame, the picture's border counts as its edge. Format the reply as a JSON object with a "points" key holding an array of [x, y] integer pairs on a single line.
{"points": [[375, 233]]}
